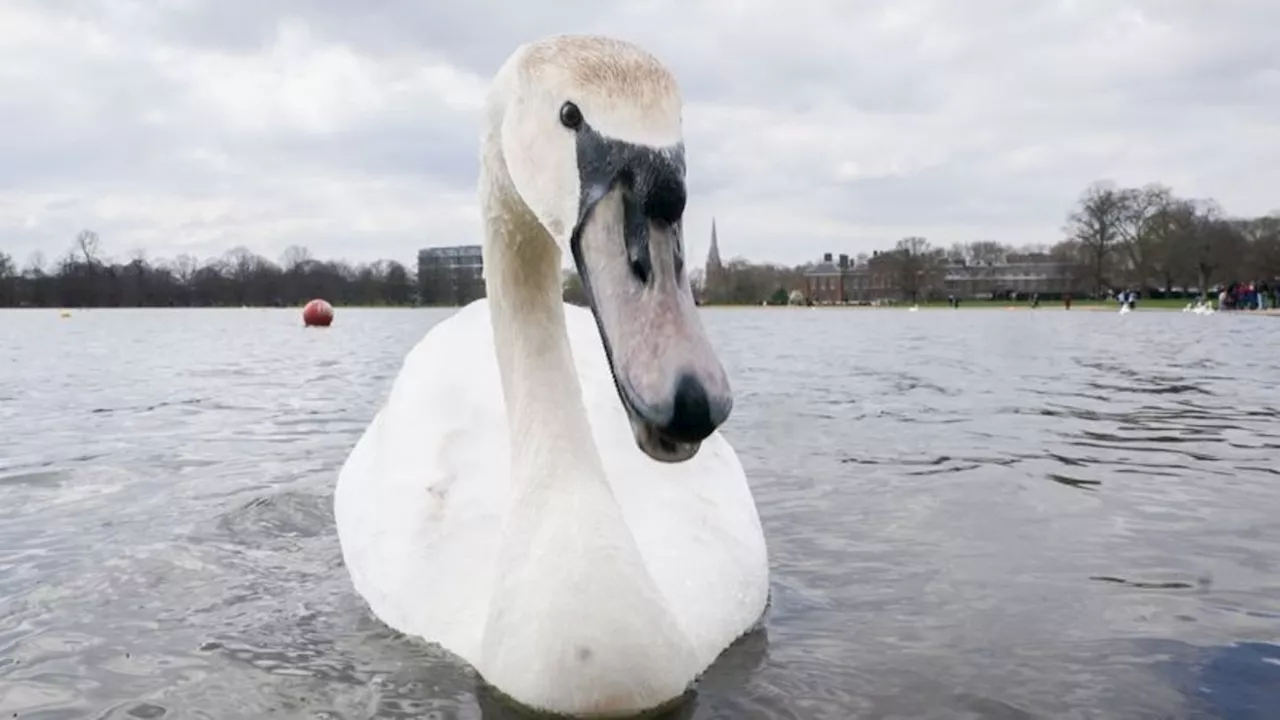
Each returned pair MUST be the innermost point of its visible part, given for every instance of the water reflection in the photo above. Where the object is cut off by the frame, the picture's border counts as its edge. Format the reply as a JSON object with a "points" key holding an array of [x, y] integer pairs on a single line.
{"points": [[970, 514]]}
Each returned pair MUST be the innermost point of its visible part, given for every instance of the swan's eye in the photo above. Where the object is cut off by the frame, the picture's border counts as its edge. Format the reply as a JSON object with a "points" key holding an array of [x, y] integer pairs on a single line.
{"points": [[570, 116]]}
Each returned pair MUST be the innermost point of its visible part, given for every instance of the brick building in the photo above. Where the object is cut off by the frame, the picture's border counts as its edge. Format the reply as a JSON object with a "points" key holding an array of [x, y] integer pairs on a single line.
{"points": [[841, 281], [1022, 274]]}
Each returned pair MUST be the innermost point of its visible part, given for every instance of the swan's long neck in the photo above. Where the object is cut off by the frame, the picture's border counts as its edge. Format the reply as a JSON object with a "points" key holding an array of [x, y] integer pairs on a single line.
{"points": [[570, 582], [551, 438]]}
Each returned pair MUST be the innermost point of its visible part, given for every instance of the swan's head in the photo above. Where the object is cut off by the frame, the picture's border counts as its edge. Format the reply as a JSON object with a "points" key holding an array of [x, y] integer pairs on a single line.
{"points": [[589, 133]]}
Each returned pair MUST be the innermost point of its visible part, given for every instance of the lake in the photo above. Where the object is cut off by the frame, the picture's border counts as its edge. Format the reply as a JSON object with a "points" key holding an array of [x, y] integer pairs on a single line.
{"points": [[972, 513]]}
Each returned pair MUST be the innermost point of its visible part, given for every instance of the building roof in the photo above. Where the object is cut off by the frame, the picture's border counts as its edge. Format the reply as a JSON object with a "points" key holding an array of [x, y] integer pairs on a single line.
{"points": [[824, 268], [450, 250]]}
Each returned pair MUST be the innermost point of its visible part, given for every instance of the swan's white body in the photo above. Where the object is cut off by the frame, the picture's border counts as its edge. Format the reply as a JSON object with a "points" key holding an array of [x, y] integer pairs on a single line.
{"points": [[498, 503], [422, 500]]}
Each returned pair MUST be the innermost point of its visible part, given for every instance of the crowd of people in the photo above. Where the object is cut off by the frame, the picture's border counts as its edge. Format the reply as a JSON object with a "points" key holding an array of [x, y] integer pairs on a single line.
{"points": [[1232, 296], [1249, 296]]}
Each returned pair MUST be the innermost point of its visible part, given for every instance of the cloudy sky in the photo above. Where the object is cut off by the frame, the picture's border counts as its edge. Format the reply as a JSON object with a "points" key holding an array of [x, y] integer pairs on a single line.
{"points": [[173, 126]]}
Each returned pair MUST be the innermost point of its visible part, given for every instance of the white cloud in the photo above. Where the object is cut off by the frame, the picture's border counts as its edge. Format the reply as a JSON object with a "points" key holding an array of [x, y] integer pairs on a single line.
{"points": [[196, 125]]}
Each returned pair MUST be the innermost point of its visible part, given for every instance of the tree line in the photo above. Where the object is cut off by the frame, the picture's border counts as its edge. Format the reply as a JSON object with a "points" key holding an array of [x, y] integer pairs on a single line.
{"points": [[1151, 240], [83, 277], [913, 267], [1142, 238], [1148, 238], [742, 282]]}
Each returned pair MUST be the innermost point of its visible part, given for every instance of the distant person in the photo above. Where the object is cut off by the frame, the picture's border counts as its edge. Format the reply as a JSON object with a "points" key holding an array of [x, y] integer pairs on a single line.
{"points": [[1066, 300]]}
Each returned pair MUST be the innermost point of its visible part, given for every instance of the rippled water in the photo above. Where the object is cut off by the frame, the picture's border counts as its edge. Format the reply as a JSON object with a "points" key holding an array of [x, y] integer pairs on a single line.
{"points": [[970, 514]]}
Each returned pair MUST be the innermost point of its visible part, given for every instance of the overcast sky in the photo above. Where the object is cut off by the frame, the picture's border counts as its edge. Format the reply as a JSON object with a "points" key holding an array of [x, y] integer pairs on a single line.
{"points": [[193, 126]]}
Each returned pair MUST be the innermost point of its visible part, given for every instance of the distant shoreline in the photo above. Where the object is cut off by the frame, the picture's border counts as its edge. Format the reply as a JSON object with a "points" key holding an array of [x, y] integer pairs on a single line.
{"points": [[979, 305], [991, 307]]}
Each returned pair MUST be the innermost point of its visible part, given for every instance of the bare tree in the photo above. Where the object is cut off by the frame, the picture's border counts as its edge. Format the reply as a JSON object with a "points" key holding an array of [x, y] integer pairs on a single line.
{"points": [[1211, 243], [240, 262], [1095, 223], [1140, 215], [8, 279], [36, 265], [1170, 230], [184, 269], [988, 252], [1263, 235], [1070, 255], [917, 266], [294, 258], [90, 247]]}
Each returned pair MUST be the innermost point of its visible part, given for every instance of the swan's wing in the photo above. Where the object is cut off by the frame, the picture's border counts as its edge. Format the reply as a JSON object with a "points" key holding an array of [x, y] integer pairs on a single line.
{"points": [[419, 501], [695, 522]]}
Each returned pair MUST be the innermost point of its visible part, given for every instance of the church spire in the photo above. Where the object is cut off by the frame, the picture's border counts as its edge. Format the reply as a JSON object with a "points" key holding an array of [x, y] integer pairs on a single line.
{"points": [[713, 274], [713, 255]]}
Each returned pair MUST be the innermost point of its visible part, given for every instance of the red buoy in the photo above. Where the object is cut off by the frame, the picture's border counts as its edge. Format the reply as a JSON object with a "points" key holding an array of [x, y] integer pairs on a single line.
{"points": [[317, 313]]}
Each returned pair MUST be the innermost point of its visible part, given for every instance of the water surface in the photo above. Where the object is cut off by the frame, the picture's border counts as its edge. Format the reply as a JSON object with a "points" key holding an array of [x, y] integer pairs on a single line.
{"points": [[970, 514]]}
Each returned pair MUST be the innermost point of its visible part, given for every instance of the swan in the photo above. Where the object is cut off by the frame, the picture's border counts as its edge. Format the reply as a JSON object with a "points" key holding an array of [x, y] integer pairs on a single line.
{"points": [[568, 521]]}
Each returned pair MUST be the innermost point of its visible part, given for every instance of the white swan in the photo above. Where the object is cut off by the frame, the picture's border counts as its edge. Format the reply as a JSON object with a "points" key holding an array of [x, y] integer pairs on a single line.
{"points": [[544, 493]]}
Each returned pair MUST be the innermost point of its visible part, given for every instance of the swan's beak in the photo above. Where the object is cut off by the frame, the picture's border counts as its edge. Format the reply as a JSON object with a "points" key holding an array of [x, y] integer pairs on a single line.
{"points": [[672, 384]]}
